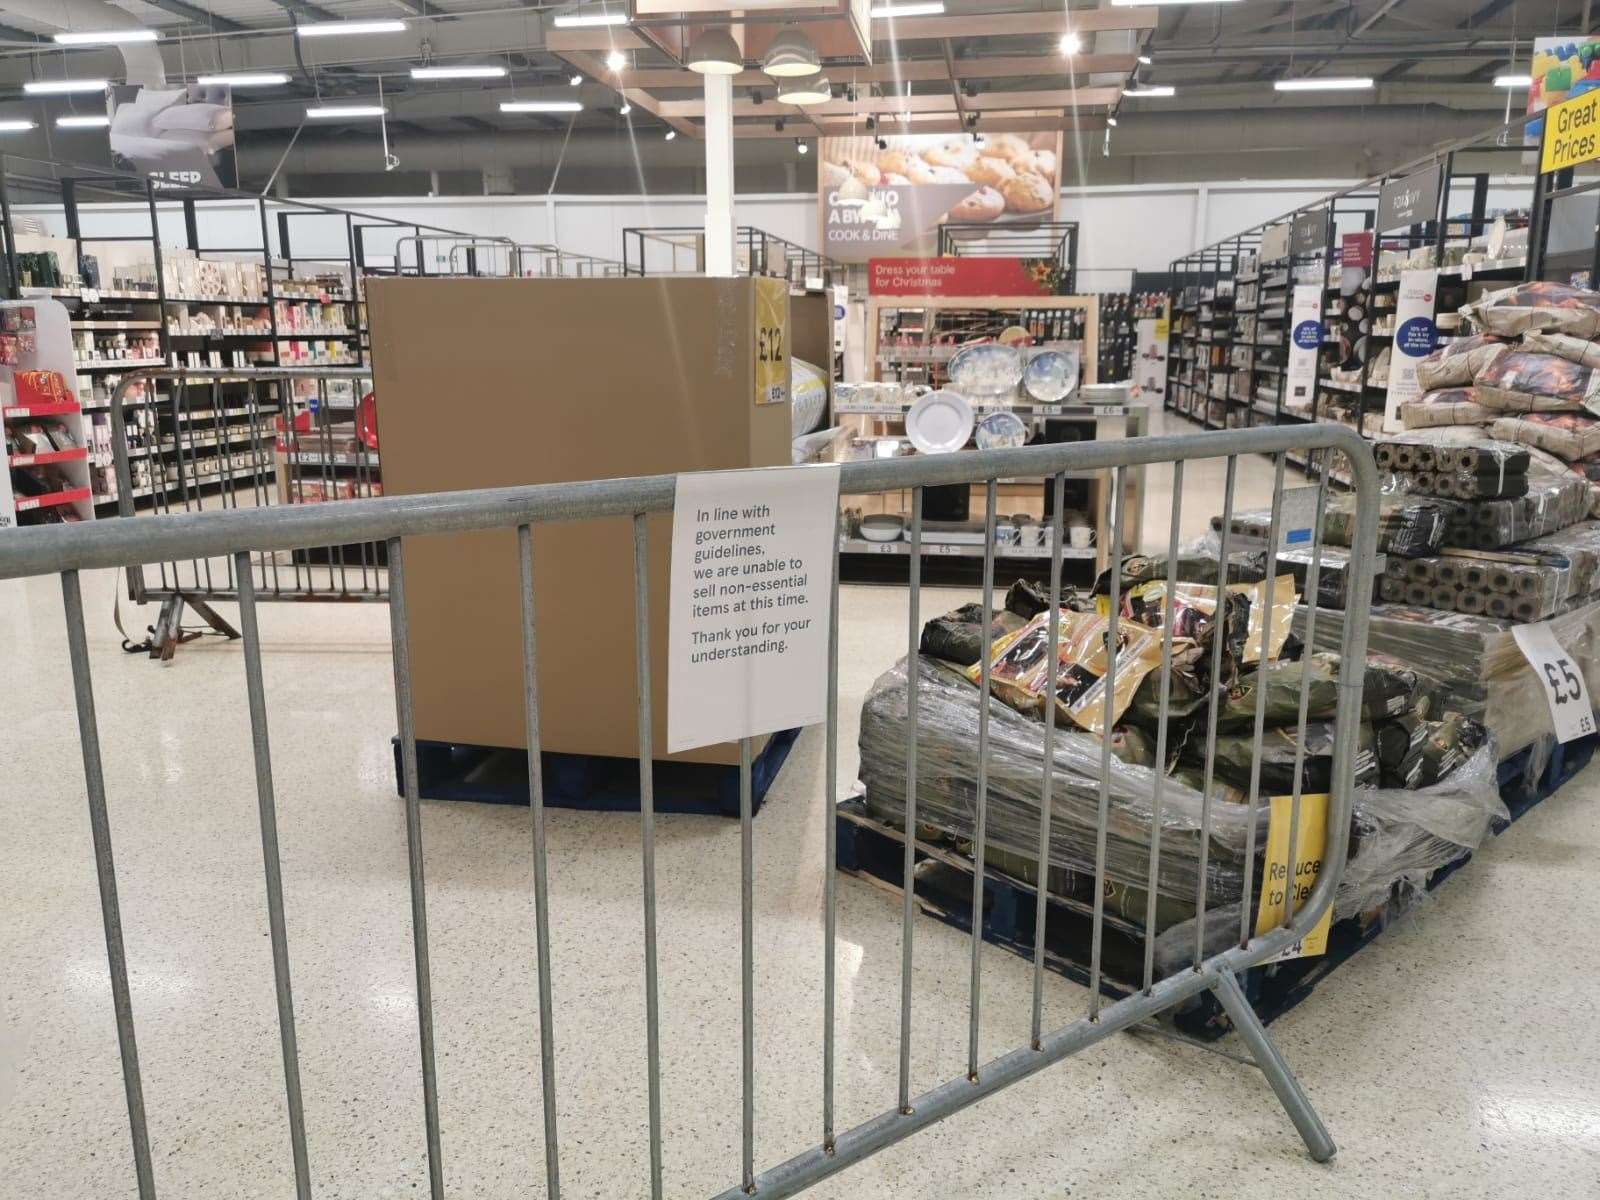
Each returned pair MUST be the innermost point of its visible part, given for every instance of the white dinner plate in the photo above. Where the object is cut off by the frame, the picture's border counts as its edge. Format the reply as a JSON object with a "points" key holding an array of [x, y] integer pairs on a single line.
{"points": [[940, 422]]}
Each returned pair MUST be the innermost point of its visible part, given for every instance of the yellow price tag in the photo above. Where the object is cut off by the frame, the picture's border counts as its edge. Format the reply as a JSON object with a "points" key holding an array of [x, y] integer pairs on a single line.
{"points": [[1311, 836], [1571, 133], [772, 341]]}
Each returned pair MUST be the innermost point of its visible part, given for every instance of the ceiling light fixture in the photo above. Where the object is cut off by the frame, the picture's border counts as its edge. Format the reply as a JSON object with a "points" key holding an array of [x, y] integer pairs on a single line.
{"points": [[575, 80], [62, 87], [617, 60], [82, 122], [790, 53], [1145, 60], [625, 109], [714, 52], [812, 89], [579, 20], [17, 126], [329, 112], [244, 79], [1111, 121], [1513, 81], [106, 37], [888, 12], [1330, 83], [1149, 93], [540, 106], [348, 28], [1070, 44], [671, 133], [800, 147], [463, 71]]}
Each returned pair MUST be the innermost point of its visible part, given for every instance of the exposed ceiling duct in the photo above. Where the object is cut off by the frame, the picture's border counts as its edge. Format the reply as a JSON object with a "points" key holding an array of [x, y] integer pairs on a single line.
{"points": [[142, 62]]}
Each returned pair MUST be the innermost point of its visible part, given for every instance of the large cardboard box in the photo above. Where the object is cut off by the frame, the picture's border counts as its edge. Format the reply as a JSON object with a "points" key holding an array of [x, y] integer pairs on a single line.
{"points": [[497, 382]]}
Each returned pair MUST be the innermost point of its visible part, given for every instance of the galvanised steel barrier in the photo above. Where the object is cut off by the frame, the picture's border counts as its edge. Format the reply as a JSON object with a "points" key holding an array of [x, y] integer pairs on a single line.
{"points": [[198, 440], [240, 533]]}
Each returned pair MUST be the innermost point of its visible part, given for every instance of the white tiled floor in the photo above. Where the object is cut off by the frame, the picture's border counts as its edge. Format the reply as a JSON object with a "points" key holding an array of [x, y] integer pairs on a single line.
{"points": [[1454, 1057]]}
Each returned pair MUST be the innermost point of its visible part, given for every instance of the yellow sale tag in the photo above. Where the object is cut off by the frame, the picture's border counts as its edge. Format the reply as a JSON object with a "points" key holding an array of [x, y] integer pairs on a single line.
{"points": [[1281, 881], [1571, 133], [772, 341]]}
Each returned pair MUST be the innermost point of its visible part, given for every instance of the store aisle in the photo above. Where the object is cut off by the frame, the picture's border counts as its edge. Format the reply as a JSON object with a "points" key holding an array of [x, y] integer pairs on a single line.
{"points": [[1517, 1114]]}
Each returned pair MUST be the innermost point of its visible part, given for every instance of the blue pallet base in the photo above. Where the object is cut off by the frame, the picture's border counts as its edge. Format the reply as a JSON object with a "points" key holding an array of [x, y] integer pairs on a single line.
{"points": [[592, 782], [868, 848]]}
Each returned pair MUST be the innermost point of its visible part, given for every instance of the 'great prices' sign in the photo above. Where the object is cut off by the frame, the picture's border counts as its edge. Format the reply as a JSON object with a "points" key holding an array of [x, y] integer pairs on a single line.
{"points": [[1571, 133]]}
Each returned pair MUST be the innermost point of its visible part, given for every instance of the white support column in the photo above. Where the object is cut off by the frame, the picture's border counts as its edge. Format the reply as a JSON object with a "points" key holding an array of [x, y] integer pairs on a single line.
{"points": [[719, 174]]}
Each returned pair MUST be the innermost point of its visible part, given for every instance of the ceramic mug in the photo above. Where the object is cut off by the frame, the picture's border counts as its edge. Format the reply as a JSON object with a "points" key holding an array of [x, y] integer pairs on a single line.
{"points": [[1081, 537]]}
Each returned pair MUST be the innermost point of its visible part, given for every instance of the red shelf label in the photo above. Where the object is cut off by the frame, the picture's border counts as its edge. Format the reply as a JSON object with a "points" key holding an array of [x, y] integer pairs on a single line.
{"points": [[51, 499]]}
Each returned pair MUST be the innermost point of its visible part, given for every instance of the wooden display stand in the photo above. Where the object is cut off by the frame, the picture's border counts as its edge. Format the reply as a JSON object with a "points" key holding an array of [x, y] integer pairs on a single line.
{"points": [[1022, 496]]}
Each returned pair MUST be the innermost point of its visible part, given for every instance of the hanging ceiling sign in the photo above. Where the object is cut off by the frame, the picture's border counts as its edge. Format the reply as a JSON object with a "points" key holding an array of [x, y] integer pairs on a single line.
{"points": [[1410, 200], [1572, 133], [1275, 244], [1309, 234]]}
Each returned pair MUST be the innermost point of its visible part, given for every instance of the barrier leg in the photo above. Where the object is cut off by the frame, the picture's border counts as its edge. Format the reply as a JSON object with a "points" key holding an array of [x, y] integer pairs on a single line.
{"points": [[1290, 1093]]}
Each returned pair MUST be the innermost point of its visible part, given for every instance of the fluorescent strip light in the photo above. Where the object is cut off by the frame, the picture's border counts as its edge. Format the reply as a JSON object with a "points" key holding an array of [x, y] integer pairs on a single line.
{"points": [[579, 20], [887, 12], [17, 126], [540, 106], [82, 122], [62, 87], [1329, 84], [1513, 81], [244, 79], [465, 71], [329, 111], [1148, 93], [106, 37], [348, 28]]}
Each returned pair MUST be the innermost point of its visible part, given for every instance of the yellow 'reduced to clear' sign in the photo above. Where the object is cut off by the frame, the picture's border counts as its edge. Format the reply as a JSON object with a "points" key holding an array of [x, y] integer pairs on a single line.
{"points": [[772, 340], [1571, 133], [1311, 835]]}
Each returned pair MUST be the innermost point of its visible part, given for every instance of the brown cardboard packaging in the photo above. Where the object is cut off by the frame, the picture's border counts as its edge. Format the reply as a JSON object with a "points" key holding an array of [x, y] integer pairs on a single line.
{"points": [[497, 382]]}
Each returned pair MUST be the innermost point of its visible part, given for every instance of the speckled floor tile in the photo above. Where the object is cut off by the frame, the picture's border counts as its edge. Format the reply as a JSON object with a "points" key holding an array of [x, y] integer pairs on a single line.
{"points": [[1454, 1057]]}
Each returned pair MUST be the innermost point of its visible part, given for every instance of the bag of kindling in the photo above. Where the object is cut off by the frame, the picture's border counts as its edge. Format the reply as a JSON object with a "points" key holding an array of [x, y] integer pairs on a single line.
{"points": [[1524, 383], [1538, 307], [1457, 363]]}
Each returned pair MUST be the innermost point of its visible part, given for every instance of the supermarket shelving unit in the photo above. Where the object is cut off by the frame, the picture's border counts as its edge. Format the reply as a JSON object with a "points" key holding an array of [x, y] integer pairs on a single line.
{"points": [[1258, 269], [123, 253], [681, 250]]}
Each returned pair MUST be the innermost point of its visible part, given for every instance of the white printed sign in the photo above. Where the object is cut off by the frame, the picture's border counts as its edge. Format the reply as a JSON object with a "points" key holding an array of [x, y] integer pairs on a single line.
{"points": [[1297, 518], [1571, 714], [1415, 336], [752, 573], [1305, 339]]}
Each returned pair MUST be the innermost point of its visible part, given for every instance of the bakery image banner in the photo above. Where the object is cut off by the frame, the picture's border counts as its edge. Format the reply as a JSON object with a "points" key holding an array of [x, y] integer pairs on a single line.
{"points": [[882, 201]]}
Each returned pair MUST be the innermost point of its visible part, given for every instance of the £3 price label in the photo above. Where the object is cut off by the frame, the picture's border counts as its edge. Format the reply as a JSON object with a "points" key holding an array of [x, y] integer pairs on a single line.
{"points": [[1561, 679]]}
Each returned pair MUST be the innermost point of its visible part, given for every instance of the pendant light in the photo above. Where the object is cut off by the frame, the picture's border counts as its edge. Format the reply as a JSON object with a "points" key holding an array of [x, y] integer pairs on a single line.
{"points": [[812, 89], [791, 53], [715, 52]]}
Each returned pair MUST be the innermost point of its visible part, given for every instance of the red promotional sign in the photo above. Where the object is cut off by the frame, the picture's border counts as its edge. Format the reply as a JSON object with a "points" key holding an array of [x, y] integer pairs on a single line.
{"points": [[977, 276], [1355, 249]]}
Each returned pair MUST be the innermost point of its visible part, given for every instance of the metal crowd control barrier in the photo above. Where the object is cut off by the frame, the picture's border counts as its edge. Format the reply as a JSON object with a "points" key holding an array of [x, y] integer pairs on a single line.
{"points": [[68, 551], [191, 440]]}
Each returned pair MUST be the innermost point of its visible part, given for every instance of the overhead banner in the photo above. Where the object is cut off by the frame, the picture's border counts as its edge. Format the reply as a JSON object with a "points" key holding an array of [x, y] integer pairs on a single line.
{"points": [[890, 199], [978, 275], [179, 136], [1305, 339], [1411, 199], [1309, 234], [1562, 68], [1415, 336], [1572, 133], [1275, 244]]}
